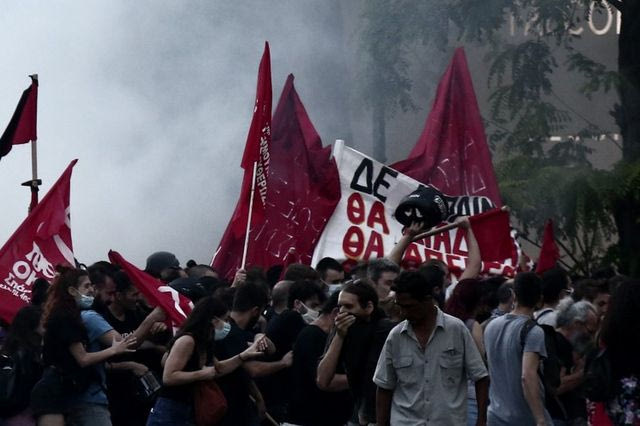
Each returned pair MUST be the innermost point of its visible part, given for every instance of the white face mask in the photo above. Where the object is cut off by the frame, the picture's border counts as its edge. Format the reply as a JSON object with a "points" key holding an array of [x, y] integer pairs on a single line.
{"points": [[311, 315], [223, 332], [84, 302]]}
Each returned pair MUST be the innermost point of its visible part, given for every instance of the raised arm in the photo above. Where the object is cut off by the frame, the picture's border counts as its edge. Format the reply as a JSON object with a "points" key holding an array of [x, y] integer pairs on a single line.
{"points": [[398, 250], [474, 260]]}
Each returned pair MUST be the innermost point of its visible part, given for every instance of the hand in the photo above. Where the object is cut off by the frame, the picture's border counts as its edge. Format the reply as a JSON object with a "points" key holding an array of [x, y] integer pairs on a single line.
{"points": [[255, 349], [342, 322], [463, 222], [209, 373], [157, 328], [239, 278], [287, 359], [125, 345], [414, 229], [139, 369]]}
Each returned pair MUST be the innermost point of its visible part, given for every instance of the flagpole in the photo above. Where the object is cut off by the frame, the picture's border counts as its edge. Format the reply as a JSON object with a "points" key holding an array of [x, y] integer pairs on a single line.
{"points": [[34, 183], [246, 235]]}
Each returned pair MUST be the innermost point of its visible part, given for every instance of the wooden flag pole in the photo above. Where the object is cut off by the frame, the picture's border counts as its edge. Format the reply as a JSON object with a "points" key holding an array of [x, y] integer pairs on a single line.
{"points": [[443, 228], [246, 235]]}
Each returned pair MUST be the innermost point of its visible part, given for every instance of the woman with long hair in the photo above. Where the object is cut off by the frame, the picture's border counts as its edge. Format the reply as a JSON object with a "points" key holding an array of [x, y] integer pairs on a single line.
{"points": [[68, 370], [185, 362], [23, 349], [620, 336]]}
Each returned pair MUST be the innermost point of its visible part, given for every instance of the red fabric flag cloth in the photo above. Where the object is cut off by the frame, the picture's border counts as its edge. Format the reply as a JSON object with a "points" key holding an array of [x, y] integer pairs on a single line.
{"points": [[41, 242], [549, 253], [23, 123], [304, 189], [493, 233], [157, 293], [452, 153], [257, 150]]}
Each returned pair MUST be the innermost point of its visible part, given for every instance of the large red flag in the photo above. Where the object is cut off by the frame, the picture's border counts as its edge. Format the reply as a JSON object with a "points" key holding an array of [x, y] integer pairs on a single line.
{"points": [[40, 243], [304, 189], [256, 150], [549, 253], [452, 153], [493, 233], [173, 303], [23, 123]]}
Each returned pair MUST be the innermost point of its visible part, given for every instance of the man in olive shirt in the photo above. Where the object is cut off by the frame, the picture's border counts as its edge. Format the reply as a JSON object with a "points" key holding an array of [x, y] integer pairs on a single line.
{"points": [[423, 368]]}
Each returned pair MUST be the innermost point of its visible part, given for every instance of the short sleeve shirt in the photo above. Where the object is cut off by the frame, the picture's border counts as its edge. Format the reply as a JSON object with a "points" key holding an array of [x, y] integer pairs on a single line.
{"points": [[429, 386], [504, 355], [96, 326], [61, 332]]}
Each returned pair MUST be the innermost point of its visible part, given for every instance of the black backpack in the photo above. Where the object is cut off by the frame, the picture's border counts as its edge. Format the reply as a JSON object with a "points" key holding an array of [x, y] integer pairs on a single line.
{"points": [[598, 380], [550, 374], [10, 392]]}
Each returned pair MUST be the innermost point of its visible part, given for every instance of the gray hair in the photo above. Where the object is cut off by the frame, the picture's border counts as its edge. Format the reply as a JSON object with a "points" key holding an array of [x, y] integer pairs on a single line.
{"points": [[377, 266], [570, 312]]}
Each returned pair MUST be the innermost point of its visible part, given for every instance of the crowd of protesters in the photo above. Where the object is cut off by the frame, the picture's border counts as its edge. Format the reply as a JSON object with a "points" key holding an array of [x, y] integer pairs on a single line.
{"points": [[325, 346]]}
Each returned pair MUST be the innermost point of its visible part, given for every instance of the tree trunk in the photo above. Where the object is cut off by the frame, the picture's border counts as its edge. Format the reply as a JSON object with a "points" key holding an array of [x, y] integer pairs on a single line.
{"points": [[627, 210]]}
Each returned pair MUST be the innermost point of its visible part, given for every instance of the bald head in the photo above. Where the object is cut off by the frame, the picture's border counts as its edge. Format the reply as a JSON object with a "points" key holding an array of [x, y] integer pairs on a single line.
{"points": [[280, 295]]}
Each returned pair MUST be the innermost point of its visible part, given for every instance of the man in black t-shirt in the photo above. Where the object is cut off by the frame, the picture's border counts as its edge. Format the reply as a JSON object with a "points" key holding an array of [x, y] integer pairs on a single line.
{"points": [[127, 407], [308, 405]]}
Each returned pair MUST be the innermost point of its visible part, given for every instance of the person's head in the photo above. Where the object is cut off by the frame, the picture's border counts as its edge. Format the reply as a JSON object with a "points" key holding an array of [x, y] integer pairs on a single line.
{"points": [[71, 291], [39, 291], [159, 261], [330, 270], [280, 295], [577, 319], [208, 315], [249, 300], [381, 272], [198, 271], [172, 273], [101, 277], [464, 300], [596, 292], [330, 307], [358, 299], [435, 272], [506, 296], [298, 271], [305, 297], [24, 332], [527, 287], [555, 285], [414, 295], [127, 295]]}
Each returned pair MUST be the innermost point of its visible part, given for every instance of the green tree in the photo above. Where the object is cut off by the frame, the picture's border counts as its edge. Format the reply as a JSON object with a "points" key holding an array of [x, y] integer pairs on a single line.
{"points": [[538, 179]]}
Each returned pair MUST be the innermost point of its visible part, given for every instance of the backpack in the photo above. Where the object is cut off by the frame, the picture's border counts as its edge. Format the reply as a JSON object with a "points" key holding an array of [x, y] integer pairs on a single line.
{"points": [[550, 373], [598, 378], [11, 394]]}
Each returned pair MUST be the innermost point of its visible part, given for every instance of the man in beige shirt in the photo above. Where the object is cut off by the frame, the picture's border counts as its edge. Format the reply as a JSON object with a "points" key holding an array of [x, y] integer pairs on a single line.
{"points": [[423, 368]]}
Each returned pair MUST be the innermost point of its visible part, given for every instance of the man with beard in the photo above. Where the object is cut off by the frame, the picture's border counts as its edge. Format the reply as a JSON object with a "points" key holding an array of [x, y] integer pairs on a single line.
{"points": [[360, 332], [577, 324], [101, 276], [249, 302]]}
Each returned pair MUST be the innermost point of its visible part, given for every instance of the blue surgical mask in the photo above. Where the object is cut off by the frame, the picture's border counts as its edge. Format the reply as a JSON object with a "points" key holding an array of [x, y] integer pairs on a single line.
{"points": [[223, 332], [83, 301]]}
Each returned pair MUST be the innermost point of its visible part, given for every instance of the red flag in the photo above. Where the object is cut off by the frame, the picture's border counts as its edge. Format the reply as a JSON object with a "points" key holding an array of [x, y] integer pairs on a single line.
{"points": [[23, 123], [257, 150], [173, 303], [452, 153], [304, 189], [549, 253], [493, 233], [40, 243]]}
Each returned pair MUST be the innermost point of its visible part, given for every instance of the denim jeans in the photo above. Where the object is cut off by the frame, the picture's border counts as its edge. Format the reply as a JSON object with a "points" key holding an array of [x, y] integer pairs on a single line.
{"points": [[170, 412], [88, 415]]}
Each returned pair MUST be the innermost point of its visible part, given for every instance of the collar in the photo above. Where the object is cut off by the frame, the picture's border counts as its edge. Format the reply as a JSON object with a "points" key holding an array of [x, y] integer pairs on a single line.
{"points": [[406, 326]]}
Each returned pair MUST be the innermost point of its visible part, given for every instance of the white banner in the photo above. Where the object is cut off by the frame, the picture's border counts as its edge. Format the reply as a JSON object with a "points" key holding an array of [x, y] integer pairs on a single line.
{"points": [[362, 226]]}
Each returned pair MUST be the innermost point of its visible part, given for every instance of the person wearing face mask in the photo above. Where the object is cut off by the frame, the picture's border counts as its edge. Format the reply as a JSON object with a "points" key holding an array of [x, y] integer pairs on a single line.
{"points": [[186, 361], [69, 365], [304, 298]]}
